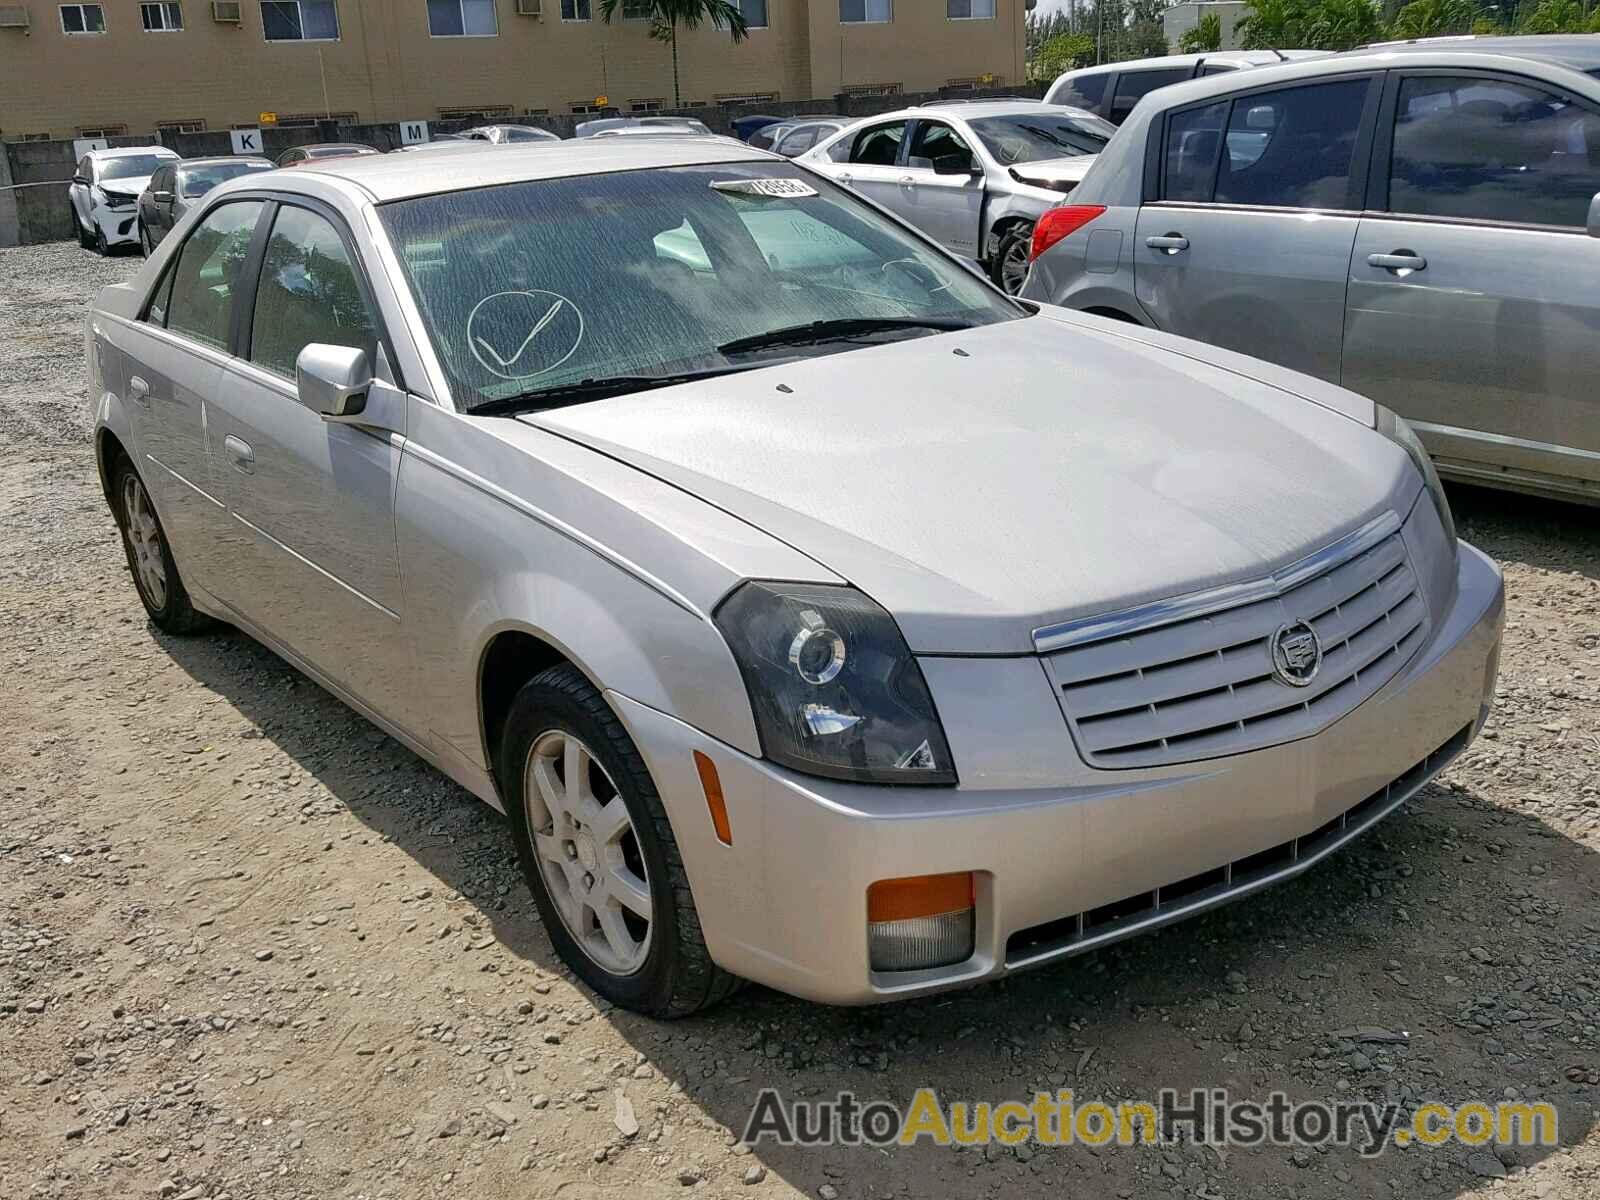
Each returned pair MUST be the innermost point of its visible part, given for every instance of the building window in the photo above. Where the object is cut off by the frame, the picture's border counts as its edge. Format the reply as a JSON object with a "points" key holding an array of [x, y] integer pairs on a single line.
{"points": [[871, 89], [970, 10], [858, 12], [30, 137], [646, 106], [476, 112], [161, 18], [300, 20], [181, 126], [745, 98], [755, 12], [574, 10], [583, 108], [310, 120], [83, 18], [101, 131], [536, 112], [462, 18], [637, 10]]}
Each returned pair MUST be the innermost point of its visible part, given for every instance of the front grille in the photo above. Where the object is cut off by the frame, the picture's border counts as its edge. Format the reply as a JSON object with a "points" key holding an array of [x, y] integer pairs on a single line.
{"points": [[1193, 678], [1081, 932]]}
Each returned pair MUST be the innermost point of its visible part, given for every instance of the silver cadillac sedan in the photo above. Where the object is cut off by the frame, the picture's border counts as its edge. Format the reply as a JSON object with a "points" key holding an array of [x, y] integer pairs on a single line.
{"points": [[815, 614]]}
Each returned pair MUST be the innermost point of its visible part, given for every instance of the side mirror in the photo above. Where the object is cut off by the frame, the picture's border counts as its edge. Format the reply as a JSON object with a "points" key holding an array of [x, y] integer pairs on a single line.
{"points": [[1594, 216], [79, 179], [333, 380], [956, 164], [161, 197]]}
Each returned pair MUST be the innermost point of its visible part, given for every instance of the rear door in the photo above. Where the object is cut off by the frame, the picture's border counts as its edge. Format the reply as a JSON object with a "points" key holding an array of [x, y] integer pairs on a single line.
{"points": [[1474, 299], [947, 207], [1248, 242], [873, 168], [314, 499]]}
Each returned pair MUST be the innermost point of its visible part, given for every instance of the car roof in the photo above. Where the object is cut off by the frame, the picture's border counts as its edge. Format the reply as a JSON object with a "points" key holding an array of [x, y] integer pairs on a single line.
{"points": [[218, 160], [128, 151], [386, 177], [1227, 58], [1578, 51], [979, 109], [1567, 53]]}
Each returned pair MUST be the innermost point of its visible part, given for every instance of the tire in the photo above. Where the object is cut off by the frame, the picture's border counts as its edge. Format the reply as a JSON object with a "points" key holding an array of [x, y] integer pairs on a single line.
{"points": [[101, 246], [146, 246], [85, 238], [1009, 267], [145, 543], [670, 974]]}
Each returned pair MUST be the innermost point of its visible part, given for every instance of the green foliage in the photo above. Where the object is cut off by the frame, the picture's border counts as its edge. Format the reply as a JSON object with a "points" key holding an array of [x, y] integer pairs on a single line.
{"points": [[1204, 37], [1061, 53], [1275, 24], [1434, 18], [1557, 16]]}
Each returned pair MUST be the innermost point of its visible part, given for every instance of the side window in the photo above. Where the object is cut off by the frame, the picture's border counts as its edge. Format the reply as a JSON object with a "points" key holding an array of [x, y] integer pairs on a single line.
{"points": [[797, 142], [309, 292], [1132, 86], [157, 312], [878, 146], [1209, 69], [1193, 137], [1293, 148], [935, 141], [205, 281], [1084, 91], [1493, 151]]}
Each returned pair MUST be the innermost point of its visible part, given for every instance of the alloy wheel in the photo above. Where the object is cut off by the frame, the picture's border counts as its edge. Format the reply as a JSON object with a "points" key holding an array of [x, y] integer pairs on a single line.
{"points": [[1014, 266], [144, 536], [588, 852]]}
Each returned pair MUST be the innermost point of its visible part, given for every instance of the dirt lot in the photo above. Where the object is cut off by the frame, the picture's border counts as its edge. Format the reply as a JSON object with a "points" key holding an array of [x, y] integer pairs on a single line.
{"points": [[250, 947]]}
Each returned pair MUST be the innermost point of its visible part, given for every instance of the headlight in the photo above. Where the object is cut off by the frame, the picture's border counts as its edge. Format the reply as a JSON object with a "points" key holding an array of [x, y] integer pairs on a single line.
{"points": [[834, 688], [1394, 427]]}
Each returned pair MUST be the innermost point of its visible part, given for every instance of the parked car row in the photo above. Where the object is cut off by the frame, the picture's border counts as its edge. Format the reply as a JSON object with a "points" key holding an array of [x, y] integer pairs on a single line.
{"points": [[816, 613], [1418, 222]]}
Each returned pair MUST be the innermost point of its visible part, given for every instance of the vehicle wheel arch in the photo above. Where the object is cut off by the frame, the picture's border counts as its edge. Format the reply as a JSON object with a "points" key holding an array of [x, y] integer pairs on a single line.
{"points": [[1111, 313], [108, 451], [1001, 227], [511, 655]]}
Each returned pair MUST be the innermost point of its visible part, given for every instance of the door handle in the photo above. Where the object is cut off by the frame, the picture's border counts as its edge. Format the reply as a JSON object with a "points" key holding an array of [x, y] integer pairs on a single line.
{"points": [[239, 453], [1401, 262], [908, 181], [1171, 243], [845, 177], [139, 389]]}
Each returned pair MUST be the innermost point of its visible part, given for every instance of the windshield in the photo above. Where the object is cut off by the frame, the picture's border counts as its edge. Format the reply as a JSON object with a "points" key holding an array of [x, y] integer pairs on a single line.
{"points": [[132, 166], [197, 181], [1026, 138], [540, 285]]}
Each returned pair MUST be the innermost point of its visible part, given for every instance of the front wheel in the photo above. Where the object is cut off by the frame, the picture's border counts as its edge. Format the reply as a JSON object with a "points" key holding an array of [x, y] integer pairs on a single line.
{"points": [[101, 246], [1009, 268], [85, 238], [146, 246], [598, 851]]}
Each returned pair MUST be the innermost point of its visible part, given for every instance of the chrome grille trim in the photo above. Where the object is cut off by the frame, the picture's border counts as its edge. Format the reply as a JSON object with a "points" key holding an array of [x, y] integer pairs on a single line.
{"points": [[1193, 678], [1198, 604]]}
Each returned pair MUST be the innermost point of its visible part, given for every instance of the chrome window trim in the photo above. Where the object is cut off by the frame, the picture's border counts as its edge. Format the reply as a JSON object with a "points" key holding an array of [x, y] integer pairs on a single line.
{"points": [[1198, 604]]}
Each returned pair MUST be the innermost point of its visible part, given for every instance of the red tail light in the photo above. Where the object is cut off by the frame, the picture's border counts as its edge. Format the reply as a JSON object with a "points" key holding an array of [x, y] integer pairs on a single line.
{"points": [[1059, 222]]}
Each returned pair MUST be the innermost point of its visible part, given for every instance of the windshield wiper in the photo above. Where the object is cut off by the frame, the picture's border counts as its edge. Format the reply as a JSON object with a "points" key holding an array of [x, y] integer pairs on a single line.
{"points": [[592, 389], [836, 330]]}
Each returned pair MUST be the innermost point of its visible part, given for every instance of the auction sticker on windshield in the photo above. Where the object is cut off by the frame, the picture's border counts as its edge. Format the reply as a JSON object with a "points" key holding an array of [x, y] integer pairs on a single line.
{"points": [[777, 189]]}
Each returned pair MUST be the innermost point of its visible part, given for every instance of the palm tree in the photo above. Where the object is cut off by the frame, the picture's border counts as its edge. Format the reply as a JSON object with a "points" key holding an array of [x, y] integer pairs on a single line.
{"points": [[1205, 37], [1434, 18], [667, 15]]}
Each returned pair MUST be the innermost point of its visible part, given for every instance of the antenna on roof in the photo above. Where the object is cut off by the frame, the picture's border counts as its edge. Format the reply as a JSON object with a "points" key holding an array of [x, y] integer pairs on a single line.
{"points": [[1282, 57]]}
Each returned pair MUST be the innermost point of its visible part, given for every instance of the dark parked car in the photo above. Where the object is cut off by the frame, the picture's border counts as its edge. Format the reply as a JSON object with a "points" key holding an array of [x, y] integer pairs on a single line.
{"points": [[296, 155], [177, 185]]}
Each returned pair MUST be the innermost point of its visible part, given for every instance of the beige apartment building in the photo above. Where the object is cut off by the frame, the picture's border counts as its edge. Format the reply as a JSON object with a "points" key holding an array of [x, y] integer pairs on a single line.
{"points": [[121, 66]]}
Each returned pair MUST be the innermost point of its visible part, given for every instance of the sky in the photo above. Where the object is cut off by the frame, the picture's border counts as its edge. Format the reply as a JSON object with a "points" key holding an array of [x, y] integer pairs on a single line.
{"points": [[1049, 6]]}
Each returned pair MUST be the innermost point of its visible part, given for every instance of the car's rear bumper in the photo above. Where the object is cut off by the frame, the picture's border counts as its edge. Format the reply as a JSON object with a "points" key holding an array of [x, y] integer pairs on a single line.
{"points": [[1060, 869]]}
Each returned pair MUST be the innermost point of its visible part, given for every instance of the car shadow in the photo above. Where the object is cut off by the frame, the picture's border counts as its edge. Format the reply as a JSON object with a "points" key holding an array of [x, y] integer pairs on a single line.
{"points": [[1553, 535], [1445, 956]]}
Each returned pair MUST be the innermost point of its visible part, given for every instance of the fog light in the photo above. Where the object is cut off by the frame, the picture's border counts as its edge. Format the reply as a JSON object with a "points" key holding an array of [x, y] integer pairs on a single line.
{"points": [[919, 922]]}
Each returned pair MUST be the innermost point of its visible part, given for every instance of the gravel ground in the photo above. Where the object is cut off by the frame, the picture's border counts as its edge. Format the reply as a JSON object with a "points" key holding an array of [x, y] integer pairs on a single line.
{"points": [[252, 948]]}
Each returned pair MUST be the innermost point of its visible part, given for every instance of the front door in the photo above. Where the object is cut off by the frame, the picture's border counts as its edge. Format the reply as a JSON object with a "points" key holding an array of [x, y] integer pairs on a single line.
{"points": [[313, 501], [1474, 300], [941, 189], [1248, 246]]}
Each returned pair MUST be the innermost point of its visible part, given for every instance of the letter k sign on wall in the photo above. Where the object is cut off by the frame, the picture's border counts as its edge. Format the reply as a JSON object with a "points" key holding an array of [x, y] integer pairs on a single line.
{"points": [[246, 141]]}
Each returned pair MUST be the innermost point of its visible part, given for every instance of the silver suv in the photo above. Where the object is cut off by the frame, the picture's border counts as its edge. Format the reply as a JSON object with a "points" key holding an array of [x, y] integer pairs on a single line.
{"points": [[1419, 223]]}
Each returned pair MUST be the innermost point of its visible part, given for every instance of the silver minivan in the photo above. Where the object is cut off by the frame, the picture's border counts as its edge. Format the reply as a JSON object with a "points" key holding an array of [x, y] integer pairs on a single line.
{"points": [[1419, 223]]}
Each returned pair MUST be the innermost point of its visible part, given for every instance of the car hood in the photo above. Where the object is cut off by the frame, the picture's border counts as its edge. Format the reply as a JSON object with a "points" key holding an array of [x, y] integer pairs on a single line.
{"points": [[128, 188], [1055, 170], [985, 483]]}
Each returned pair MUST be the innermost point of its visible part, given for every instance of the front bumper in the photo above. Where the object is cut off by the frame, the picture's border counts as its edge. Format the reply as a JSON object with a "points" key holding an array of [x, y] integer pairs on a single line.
{"points": [[1061, 868], [118, 224]]}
